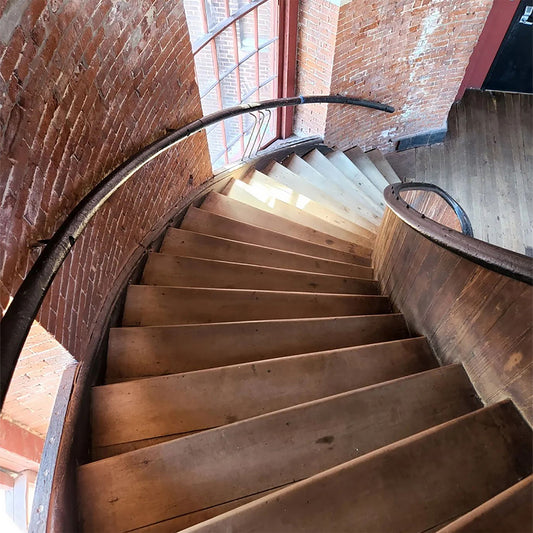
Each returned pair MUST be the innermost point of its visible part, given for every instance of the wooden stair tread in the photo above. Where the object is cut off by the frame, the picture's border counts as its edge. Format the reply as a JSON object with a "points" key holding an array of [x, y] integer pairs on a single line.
{"points": [[163, 269], [352, 172], [158, 350], [511, 511], [259, 197], [230, 208], [180, 403], [321, 163], [345, 197], [267, 451], [202, 221], [383, 165], [286, 194], [150, 305], [181, 242], [367, 167], [321, 196], [412, 485]]}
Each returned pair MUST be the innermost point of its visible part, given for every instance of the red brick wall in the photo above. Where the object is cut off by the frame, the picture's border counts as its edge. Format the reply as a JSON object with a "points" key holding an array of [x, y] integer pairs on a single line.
{"points": [[317, 30], [83, 85], [410, 54]]}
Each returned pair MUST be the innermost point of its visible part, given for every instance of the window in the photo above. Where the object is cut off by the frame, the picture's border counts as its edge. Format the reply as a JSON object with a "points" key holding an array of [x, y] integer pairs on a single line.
{"points": [[236, 46]]}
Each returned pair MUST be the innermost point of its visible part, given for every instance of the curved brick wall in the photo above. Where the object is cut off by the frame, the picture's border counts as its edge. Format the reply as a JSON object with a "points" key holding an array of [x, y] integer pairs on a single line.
{"points": [[85, 84]]}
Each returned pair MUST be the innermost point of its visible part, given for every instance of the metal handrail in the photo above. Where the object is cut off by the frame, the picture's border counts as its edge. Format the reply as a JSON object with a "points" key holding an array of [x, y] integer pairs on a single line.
{"points": [[25, 305], [466, 226], [507, 262]]}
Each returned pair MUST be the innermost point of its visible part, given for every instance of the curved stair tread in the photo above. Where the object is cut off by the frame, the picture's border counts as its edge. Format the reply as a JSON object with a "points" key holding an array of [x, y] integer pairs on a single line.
{"points": [[352, 172], [367, 167], [151, 305], [261, 198], [320, 195], [202, 221], [296, 199], [346, 197], [199, 471], [181, 403], [511, 511], [321, 163], [172, 270], [158, 350], [411, 485], [181, 242], [383, 165], [236, 210]]}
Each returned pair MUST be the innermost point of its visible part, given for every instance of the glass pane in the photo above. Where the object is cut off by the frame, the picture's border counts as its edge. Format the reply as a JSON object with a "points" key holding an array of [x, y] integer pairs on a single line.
{"points": [[267, 62], [267, 21], [215, 141], [203, 62], [215, 12], [249, 79], [194, 19]]}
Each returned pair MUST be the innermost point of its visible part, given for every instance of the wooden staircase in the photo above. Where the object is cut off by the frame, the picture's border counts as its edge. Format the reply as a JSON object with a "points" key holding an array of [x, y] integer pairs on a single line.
{"points": [[261, 383]]}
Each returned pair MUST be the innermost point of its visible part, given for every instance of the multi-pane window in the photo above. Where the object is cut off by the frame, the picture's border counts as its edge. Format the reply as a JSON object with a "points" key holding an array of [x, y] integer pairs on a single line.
{"points": [[236, 50]]}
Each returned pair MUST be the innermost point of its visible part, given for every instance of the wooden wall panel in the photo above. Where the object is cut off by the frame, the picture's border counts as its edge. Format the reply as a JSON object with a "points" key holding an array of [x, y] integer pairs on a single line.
{"points": [[470, 315]]}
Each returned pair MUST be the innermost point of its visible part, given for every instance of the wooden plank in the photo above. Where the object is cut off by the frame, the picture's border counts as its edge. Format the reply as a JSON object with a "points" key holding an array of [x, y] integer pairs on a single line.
{"points": [[162, 269], [202, 221], [332, 174], [181, 242], [352, 172], [511, 511], [152, 351], [149, 305], [320, 195], [479, 455], [227, 207], [383, 165], [468, 313], [365, 165], [285, 194], [178, 477], [181, 403], [259, 198], [344, 197]]}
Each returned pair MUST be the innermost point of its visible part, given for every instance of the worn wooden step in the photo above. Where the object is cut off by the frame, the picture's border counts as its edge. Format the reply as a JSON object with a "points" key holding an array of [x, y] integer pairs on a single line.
{"points": [[227, 207], [365, 165], [162, 269], [321, 163], [214, 467], [202, 221], [411, 486], [149, 305], [259, 197], [299, 166], [179, 403], [157, 350], [383, 165], [511, 511], [352, 172], [280, 191], [188, 243], [320, 195]]}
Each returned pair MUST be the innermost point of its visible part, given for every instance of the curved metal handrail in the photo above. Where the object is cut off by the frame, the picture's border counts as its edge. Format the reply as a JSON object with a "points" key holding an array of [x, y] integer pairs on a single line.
{"points": [[466, 226], [493, 257], [23, 309]]}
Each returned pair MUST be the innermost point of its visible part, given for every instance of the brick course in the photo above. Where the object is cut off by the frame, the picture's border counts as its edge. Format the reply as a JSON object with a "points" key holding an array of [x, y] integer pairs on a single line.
{"points": [[84, 85]]}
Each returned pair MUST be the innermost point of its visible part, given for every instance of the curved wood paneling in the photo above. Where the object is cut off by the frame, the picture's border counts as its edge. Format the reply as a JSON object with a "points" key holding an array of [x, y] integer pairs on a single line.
{"points": [[470, 314]]}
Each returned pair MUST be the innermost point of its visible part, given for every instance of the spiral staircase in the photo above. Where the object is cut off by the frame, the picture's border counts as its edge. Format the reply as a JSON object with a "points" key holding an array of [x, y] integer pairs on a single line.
{"points": [[261, 383]]}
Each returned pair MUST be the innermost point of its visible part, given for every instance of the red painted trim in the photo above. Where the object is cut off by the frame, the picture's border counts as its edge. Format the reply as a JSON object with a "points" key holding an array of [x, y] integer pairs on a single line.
{"points": [[19, 445], [489, 43], [287, 77]]}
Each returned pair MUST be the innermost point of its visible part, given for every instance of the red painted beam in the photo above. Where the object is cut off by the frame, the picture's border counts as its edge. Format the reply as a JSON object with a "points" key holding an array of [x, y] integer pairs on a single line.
{"points": [[488, 44], [19, 449]]}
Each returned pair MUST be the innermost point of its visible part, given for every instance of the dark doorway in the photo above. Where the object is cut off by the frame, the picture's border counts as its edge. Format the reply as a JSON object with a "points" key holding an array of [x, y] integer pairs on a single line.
{"points": [[512, 69]]}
